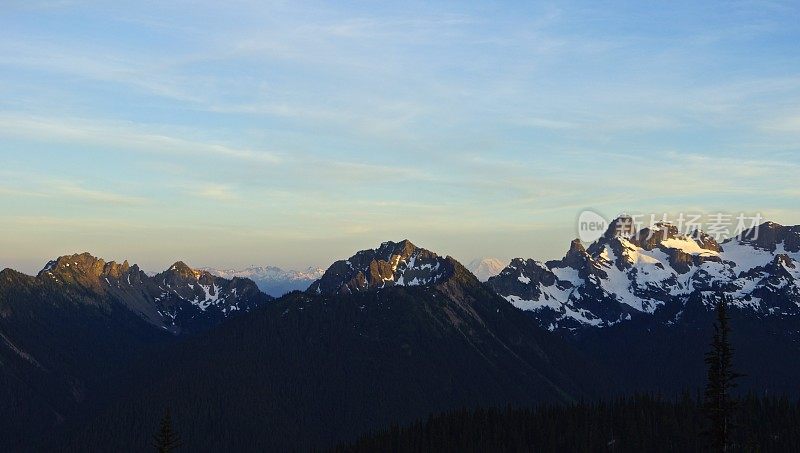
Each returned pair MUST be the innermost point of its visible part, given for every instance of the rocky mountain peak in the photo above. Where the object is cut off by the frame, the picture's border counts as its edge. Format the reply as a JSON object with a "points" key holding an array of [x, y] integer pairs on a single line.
{"points": [[85, 268], [576, 255], [770, 236], [705, 241], [179, 299], [9, 276], [622, 226], [402, 249], [651, 237], [627, 274], [391, 264], [183, 270]]}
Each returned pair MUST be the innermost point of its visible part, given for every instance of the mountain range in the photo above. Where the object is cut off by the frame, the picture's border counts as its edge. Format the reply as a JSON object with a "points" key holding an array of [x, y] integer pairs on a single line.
{"points": [[272, 280], [628, 274], [642, 300], [180, 299], [276, 282], [387, 336], [92, 352], [64, 332]]}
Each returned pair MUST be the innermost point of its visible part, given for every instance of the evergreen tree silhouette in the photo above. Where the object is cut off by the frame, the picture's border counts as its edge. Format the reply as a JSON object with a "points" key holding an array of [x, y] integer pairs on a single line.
{"points": [[721, 380], [166, 440]]}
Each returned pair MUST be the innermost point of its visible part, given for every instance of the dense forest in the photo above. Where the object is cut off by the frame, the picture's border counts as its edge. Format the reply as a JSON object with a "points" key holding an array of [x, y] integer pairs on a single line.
{"points": [[638, 423], [311, 371], [217, 408], [714, 421]]}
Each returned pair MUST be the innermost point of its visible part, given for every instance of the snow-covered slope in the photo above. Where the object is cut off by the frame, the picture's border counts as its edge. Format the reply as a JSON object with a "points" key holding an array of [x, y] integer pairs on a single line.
{"points": [[628, 274], [273, 280], [484, 268]]}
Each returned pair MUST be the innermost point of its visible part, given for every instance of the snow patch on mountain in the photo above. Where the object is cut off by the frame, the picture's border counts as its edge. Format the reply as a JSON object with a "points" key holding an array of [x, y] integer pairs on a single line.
{"points": [[628, 273]]}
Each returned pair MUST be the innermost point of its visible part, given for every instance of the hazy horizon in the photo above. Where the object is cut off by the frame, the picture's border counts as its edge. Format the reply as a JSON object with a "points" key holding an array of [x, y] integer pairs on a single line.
{"points": [[294, 134], [32, 267]]}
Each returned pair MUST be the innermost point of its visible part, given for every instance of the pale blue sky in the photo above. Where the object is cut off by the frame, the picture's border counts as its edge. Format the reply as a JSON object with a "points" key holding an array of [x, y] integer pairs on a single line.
{"points": [[293, 133]]}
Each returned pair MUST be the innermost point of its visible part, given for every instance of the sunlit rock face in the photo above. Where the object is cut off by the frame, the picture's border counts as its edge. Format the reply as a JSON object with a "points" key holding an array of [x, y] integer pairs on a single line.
{"points": [[629, 274], [180, 299], [392, 264]]}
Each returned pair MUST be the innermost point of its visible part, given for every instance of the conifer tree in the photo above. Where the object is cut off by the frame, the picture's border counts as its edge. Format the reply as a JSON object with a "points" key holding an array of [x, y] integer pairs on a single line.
{"points": [[166, 440], [721, 380]]}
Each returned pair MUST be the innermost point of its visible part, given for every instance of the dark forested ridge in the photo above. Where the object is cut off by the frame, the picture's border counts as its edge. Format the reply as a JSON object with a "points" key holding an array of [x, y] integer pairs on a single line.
{"points": [[387, 337], [310, 371], [649, 356], [66, 334], [633, 424], [56, 349]]}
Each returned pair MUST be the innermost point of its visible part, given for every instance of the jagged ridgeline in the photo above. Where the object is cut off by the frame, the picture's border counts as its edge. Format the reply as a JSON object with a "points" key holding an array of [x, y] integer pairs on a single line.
{"points": [[655, 272], [180, 299], [91, 352], [391, 264], [66, 331], [271, 279], [389, 335], [642, 302]]}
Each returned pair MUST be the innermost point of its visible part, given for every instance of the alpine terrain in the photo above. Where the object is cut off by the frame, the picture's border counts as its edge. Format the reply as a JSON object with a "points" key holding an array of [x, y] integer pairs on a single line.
{"points": [[66, 331], [387, 336], [642, 300]]}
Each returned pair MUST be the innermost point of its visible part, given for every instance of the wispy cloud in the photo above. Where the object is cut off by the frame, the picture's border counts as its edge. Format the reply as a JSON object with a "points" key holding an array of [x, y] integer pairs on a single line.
{"points": [[215, 192], [121, 135], [6, 191], [789, 124], [546, 123], [73, 191], [33, 186], [366, 121], [99, 64]]}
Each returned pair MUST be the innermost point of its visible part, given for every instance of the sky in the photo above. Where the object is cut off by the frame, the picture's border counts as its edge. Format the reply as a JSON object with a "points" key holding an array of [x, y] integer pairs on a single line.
{"points": [[295, 133]]}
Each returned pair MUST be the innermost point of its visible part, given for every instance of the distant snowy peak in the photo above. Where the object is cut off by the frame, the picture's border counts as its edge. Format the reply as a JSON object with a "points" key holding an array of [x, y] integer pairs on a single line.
{"points": [[274, 280], [269, 273], [628, 274], [484, 268], [392, 264]]}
